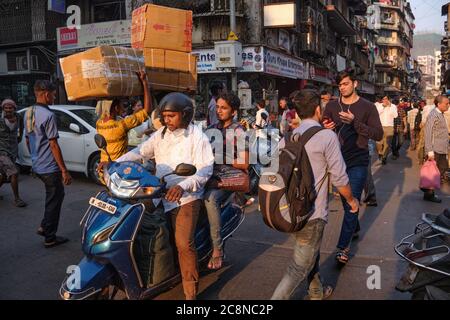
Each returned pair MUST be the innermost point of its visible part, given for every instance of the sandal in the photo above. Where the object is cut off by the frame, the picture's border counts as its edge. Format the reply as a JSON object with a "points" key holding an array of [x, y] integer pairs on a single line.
{"points": [[315, 294], [342, 255]]}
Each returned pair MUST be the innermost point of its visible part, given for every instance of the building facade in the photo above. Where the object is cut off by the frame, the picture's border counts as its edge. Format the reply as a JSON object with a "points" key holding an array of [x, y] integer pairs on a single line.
{"points": [[393, 21], [373, 37]]}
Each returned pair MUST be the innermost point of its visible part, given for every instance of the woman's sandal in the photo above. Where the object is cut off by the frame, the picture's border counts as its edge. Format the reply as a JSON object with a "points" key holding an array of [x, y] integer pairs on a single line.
{"points": [[342, 256]]}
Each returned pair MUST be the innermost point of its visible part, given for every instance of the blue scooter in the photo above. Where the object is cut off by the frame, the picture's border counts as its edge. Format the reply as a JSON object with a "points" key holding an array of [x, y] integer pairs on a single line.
{"points": [[110, 227]]}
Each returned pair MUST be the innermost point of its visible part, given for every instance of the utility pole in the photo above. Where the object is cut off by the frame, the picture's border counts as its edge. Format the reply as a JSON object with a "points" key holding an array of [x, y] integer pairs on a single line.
{"points": [[233, 29]]}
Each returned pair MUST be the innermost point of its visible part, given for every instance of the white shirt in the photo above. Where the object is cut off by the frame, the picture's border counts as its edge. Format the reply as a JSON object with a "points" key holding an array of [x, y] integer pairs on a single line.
{"points": [[387, 114], [190, 146]]}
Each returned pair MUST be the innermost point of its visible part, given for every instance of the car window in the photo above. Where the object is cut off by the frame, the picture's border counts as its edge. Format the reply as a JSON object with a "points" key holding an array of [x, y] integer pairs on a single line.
{"points": [[87, 115], [64, 120]]}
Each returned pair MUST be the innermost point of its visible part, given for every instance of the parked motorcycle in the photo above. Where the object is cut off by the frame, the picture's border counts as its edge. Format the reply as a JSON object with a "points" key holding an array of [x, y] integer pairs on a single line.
{"points": [[112, 225], [428, 252]]}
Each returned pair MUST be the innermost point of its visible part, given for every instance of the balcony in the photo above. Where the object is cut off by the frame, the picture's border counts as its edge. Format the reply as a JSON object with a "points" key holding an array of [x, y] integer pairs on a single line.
{"points": [[391, 42], [338, 22]]}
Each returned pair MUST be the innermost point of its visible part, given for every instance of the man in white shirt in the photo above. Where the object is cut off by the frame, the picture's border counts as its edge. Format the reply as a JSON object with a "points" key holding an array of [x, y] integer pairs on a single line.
{"points": [[179, 141], [388, 112]]}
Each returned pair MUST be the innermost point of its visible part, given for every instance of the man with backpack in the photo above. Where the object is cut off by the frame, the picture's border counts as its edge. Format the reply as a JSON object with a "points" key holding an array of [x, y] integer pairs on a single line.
{"points": [[318, 159]]}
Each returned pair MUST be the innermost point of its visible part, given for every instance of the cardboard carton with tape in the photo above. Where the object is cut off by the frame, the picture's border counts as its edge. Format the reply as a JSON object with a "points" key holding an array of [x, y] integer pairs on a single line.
{"points": [[102, 72]]}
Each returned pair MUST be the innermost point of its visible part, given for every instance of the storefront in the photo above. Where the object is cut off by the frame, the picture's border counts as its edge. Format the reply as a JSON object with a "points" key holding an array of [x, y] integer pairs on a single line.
{"points": [[270, 74], [320, 78], [366, 90]]}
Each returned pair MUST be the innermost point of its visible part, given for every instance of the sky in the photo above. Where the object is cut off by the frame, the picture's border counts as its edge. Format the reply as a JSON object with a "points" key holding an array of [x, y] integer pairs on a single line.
{"points": [[428, 15]]}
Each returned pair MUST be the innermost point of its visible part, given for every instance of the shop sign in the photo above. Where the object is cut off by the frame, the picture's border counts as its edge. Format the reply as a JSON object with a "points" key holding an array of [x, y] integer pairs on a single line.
{"points": [[252, 60], [93, 35], [319, 74], [282, 65]]}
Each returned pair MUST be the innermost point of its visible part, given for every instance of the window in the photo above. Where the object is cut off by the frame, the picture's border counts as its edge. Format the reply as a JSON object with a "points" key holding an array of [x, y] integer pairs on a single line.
{"points": [[63, 121], [87, 115], [109, 11]]}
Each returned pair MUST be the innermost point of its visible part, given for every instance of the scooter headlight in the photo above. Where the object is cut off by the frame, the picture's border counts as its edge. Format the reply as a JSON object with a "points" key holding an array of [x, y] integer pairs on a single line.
{"points": [[122, 188]]}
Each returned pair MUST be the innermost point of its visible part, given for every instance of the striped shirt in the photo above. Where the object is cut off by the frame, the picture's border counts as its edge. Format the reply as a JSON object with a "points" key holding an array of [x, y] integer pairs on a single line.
{"points": [[436, 133]]}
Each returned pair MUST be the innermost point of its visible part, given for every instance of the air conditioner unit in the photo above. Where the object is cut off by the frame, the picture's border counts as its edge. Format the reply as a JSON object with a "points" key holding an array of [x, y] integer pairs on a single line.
{"points": [[22, 63], [228, 54]]}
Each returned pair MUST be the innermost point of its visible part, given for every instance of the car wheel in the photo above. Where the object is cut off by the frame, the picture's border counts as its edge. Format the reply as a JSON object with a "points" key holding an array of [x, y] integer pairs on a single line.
{"points": [[93, 165]]}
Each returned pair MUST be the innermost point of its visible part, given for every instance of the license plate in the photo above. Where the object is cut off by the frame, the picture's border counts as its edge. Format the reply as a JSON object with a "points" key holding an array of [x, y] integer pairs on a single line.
{"points": [[103, 205], [411, 274]]}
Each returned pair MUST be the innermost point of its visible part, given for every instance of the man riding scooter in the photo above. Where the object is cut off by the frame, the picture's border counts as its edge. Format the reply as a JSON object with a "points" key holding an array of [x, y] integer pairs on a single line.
{"points": [[179, 141]]}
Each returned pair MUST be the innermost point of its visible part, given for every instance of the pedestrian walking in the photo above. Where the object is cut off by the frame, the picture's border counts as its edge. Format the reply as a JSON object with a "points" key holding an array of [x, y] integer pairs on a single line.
{"points": [[436, 142], [387, 113], [327, 163], [355, 120], [11, 131], [47, 159]]}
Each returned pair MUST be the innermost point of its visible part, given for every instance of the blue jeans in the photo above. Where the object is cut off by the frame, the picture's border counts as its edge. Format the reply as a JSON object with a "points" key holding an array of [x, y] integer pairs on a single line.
{"points": [[357, 177], [213, 200], [305, 262]]}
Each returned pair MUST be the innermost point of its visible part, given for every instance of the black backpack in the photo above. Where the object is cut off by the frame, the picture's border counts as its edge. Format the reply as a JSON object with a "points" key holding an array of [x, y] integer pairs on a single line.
{"points": [[286, 198]]}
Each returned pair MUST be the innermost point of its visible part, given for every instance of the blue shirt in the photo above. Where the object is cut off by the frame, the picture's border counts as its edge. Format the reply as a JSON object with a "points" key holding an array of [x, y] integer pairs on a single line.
{"points": [[45, 128]]}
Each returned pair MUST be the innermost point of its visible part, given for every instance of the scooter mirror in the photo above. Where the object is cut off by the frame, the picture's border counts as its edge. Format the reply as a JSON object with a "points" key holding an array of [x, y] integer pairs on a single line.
{"points": [[100, 141], [185, 170]]}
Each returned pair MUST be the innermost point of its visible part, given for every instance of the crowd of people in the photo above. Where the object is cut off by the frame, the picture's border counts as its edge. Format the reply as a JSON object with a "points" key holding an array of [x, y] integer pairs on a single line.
{"points": [[341, 154]]}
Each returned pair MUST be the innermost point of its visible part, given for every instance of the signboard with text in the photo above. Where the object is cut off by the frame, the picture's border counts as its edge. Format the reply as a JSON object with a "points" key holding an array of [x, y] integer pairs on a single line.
{"points": [[252, 60], [96, 34], [282, 65]]}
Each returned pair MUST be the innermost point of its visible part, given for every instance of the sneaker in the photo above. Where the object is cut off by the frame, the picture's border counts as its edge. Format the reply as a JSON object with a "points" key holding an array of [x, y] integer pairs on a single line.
{"points": [[55, 242]]}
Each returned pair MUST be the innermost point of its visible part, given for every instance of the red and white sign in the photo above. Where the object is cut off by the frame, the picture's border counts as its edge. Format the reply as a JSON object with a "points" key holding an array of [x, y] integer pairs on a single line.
{"points": [[68, 36], [93, 35]]}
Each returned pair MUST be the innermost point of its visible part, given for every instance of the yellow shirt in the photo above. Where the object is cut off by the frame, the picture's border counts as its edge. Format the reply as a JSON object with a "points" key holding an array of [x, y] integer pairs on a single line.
{"points": [[116, 134]]}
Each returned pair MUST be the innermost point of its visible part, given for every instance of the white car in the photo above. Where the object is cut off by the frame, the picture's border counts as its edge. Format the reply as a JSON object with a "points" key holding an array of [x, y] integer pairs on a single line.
{"points": [[76, 126]]}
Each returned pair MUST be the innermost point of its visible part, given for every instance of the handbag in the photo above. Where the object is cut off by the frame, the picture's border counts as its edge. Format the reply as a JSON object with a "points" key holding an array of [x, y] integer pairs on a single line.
{"points": [[430, 177], [231, 179]]}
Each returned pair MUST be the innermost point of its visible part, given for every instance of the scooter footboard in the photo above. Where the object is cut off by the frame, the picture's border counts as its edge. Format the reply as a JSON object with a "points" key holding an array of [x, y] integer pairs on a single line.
{"points": [[88, 278]]}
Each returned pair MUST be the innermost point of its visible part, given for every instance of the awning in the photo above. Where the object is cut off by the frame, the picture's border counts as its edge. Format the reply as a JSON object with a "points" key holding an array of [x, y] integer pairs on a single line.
{"points": [[338, 22]]}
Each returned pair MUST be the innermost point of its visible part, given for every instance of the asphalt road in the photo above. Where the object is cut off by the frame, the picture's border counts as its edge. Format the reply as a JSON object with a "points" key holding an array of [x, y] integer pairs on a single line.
{"points": [[256, 256]]}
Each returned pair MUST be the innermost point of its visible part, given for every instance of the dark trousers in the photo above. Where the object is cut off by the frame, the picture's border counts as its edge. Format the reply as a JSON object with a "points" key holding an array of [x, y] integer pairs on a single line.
{"points": [[54, 196]]}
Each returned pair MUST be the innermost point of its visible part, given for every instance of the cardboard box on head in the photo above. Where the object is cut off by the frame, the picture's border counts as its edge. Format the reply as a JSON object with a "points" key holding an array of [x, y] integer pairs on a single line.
{"points": [[161, 27], [103, 72]]}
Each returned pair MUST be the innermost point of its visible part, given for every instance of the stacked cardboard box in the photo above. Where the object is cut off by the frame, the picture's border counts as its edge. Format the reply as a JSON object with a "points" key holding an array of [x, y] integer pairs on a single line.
{"points": [[165, 35], [171, 70], [102, 72], [161, 27]]}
